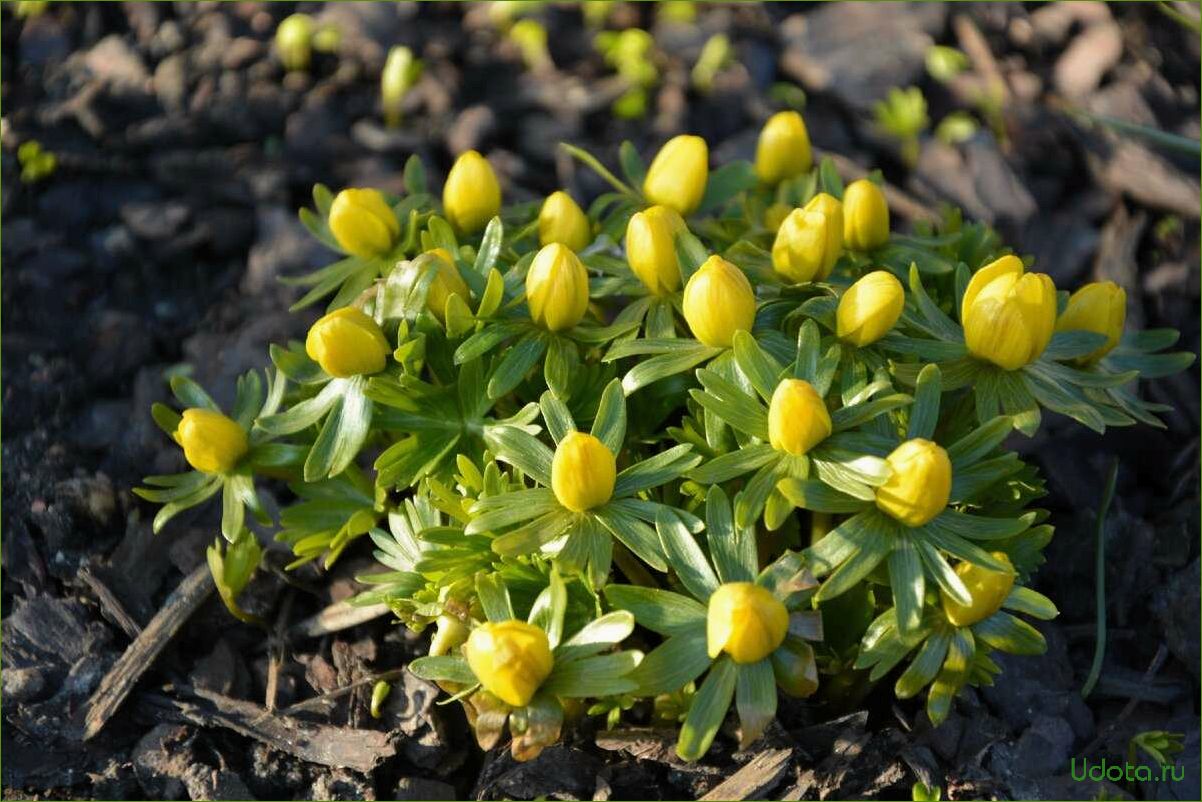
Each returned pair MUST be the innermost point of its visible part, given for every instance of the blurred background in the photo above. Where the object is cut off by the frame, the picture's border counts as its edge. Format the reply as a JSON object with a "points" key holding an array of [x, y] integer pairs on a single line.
{"points": [[153, 159]]}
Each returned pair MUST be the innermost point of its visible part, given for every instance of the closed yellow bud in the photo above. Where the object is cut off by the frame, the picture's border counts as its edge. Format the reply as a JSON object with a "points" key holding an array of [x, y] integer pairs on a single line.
{"points": [[678, 174], [363, 223], [347, 342], [1100, 307], [783, 150], [471, 197], [557, 288], [797, 417], [212, 442], [1008, 316], [651, 248], [869, 308], [987, 588], [718, 301], [293, 40], [561, 220], [449, 633], [919, 484], [446, 282], [746, 621], [510, 658], [583, 472], [865, 216], [810, 240]]}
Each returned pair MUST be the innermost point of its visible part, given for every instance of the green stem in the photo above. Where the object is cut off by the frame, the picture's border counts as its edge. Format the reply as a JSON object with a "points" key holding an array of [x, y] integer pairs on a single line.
{"points": [[1100, 580], [597, 167]]}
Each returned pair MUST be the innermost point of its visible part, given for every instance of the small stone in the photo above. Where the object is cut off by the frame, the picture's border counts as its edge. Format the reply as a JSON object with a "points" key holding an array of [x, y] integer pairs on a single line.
{"points": [[418, 788], [25, 685]]}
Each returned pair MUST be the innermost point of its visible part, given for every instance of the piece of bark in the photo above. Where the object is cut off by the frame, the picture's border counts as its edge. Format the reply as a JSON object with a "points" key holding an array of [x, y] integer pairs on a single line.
{"points": [[141, 654], [339, 747], [336, 617], [110, 605], [755, 779]]}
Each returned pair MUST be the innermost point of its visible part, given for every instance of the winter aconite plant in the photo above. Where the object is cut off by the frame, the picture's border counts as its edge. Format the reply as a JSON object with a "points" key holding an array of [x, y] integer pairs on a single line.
{"points": [[721, 436]]}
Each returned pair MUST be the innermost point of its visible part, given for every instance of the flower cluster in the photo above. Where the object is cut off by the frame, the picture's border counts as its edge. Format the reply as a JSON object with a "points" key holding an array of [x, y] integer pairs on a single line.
{"points": [[730, 420]]}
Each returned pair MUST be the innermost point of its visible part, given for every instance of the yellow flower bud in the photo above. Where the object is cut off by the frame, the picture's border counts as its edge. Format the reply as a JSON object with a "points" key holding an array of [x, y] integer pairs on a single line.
{"points": [[865, 216], [987, 588], [347, 342], [212, 442], [797, 417], [510, 658], [919, 484], [1100, 307], [583, 472], [446, 282], [557, 288], [449, 633], [783, 150], [678, 174], [471, 197], [651, 248], [810, 240], [746, 621], [292, 41], [775, 215], [869, 308], [561, 220], [1008, 316], [718, 301], [363, 223]]}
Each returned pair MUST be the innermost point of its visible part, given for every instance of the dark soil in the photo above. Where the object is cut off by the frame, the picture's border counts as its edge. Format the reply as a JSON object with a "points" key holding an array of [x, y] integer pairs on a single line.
{"points": [[183, 154]]}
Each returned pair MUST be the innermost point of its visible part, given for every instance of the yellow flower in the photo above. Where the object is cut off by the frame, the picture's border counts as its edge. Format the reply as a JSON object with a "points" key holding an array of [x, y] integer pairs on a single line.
{"points": [[446, 282], [212, 442], [363, 223], [987, 588], [865, 216], [1008, 317], [471, 197], [783, 150], [678, 174], [347, 342], [556, 288], [510, 658], [583, 472], [797, 417], [920, 483], [746, 621], [450, 632], [1100, 307], [869, 308], [292, 41], [561, 220], [651, 248], [718, 301], [810, 240]]}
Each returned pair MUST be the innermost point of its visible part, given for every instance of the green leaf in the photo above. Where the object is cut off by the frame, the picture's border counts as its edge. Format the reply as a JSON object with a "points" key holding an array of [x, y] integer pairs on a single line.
{"points": [[487, 339], [755, 699], [532, 536], [810, 494], [343, 433], [938, 322], [978, 527], [165, 417], [850, 417], [736, 463], [494, 597], [1006, 633], [760, 369], [732, 548], [958, 547], [655, 471], [521, 450], [924, 412], [685, 556], [490, 247], [925, 666], [600, 169], [604, 675], [729, 402], [304, 414], [660, 611], [725, 183], [947, 579], [908, 582], [806, 366], [1037, 605], [673, 664], [414, 176], [597, 635], [190, 394], [556, 416], [609, 425], [691, 253], [635, 534], [514, 366], [494, 513], [632, 164], [446, 668], [649, 371], [549, 607], [561, 365], [708, 710], [1071, 344], [875, 544]]}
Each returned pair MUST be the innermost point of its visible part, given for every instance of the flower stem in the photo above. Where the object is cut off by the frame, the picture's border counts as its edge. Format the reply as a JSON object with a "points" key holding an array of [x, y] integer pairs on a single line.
{"points": [[1100, 580]]}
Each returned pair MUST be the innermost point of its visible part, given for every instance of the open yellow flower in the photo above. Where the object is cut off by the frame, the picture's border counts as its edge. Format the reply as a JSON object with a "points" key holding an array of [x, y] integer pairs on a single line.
{"points": [[557, 288], [347, 342], [746, 621], [810, 240], [472, 196], [987, 588], [678, 174], [212, 442], [797, 417], [919, 484], [561, 220], [510, 658], [783, 150], [865, 216], [651, 248], [583, 472], [718, 301], [363, 224], [1008, 315], [1100, 307], [869, 308]]}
